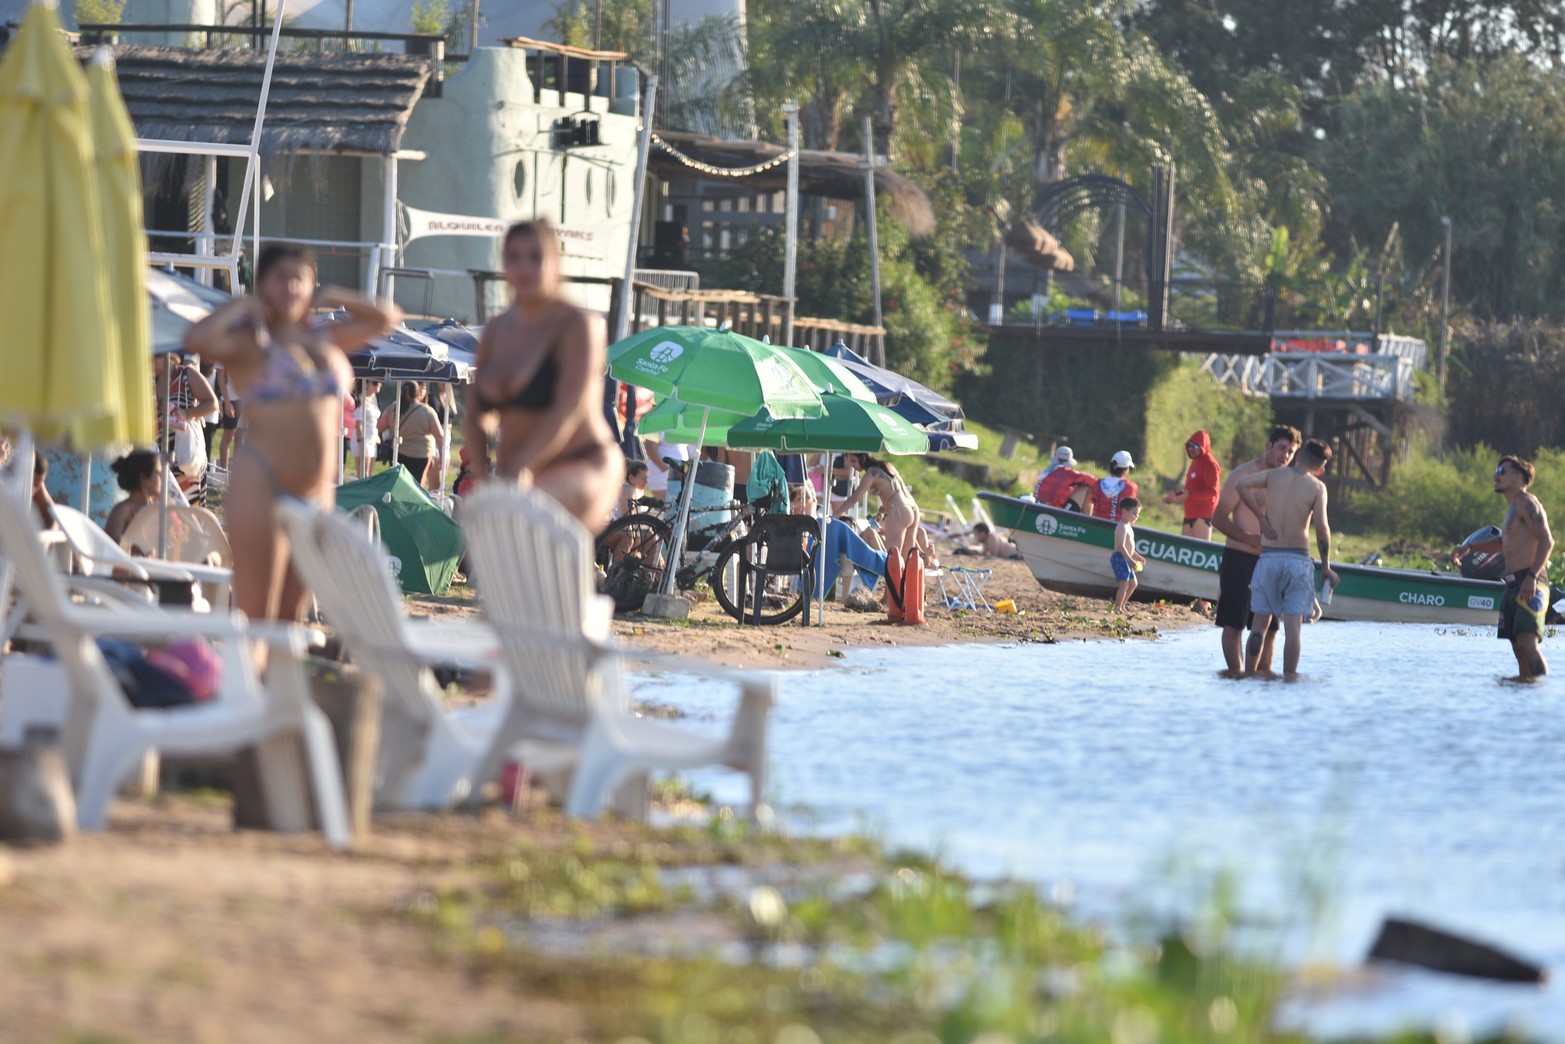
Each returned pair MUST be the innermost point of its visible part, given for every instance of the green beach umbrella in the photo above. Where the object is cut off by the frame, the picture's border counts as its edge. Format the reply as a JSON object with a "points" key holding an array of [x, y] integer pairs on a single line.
{"points": [[849, 425], [827, 374], [675, 421], [715, 368]]}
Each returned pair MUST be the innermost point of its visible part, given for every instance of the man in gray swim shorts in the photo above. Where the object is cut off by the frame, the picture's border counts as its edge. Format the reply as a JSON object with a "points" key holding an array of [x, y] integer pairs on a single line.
{"points": [[1284, 581]]}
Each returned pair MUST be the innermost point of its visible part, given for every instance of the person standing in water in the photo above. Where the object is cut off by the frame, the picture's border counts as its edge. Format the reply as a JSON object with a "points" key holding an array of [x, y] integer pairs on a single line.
{"points": [[1243, 532], [1284, 581], [1527, 543]]}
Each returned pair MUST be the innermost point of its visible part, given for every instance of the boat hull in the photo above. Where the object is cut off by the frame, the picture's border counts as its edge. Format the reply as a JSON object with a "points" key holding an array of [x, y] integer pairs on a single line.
{"points": [[1068, 552]]}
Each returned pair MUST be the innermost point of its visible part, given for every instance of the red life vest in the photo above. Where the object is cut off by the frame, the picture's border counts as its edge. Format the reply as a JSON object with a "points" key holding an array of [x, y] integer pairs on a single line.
{"points": [[1106, 504], [1055, 488]]}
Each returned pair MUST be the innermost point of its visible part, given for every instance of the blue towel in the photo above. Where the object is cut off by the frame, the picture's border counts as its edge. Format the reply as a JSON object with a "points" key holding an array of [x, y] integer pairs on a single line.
{"points": [[842, 540]]}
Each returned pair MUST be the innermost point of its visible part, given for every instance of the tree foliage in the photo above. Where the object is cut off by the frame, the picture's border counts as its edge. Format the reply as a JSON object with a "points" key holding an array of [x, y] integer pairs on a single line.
{"points": [[928, 336], [1482, 142]]}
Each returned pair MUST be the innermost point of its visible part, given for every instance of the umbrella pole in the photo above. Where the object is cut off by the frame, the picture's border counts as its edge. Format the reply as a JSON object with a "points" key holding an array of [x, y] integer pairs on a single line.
{"points": [[445, 440], [682, 518], [396, 429], [824, 507], [86, 483], [163, 454]]}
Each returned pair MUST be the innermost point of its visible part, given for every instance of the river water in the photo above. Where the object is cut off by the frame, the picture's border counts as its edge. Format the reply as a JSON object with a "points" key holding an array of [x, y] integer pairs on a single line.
{"points": [[1403, 773]]}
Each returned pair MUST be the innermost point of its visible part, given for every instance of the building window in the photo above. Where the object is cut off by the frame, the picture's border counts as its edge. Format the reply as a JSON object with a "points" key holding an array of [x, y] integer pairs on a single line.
{"points": [[520, 178]]}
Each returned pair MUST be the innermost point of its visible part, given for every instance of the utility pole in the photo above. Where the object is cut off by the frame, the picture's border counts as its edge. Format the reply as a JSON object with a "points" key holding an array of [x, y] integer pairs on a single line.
{"points": [[791, 218], [1445, 305], [869, 220]]}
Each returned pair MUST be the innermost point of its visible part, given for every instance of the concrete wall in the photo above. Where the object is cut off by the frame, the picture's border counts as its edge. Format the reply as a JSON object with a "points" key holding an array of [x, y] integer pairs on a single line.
{"points": [[490, 154]]}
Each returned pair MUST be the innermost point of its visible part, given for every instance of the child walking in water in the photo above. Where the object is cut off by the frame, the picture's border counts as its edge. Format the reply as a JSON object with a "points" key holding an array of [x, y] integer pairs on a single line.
{"points": [[1125, 560]]}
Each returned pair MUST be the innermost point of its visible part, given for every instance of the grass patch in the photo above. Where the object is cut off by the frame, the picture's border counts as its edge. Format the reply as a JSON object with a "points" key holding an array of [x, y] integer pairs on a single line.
{"points": [[875, 946]]}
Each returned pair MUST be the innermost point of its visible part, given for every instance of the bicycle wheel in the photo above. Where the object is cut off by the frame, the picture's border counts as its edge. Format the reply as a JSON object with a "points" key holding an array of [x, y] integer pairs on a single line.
{"points": [[735, 582], [632, 552]]}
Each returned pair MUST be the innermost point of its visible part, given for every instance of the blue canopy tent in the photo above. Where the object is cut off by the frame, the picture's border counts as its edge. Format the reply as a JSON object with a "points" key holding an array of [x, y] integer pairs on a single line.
{"points": [[940, 416], [409, 355], [459, 337]]}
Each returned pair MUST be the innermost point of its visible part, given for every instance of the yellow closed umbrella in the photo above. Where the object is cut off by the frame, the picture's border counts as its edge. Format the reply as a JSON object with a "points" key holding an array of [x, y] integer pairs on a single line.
{"points": [[125, 255], [53, 289]]}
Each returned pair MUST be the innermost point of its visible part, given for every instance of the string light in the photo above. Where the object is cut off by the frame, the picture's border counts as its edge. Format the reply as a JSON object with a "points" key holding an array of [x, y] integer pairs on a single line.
{"points": [[722, 172]]}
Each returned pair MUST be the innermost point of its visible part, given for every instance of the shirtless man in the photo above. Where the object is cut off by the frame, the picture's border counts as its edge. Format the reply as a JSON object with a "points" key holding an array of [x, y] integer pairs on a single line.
{"points": [[1243, 531], [1527, 544], [1284, 580]]}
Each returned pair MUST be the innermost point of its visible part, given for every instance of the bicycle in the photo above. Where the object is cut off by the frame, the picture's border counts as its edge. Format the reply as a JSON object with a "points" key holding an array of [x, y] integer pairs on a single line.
{"points": [[632, 552]]}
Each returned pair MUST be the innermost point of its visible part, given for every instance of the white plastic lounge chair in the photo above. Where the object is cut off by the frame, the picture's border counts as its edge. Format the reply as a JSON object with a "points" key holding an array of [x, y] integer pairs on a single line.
{"points": [[195, 537], [534, 567], [106, 738], [427, 755], [98, 556]]}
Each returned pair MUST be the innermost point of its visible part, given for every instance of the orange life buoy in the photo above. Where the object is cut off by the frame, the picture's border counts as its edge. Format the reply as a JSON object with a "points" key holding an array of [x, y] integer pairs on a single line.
{"points": [[913, 589], [893, 587]]}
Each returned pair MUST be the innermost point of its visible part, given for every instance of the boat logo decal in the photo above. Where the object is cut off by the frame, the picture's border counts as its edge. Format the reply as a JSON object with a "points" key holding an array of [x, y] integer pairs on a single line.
{"points": [[1414, 598], [1047, 524], [1479, 602], [1193, 557]]}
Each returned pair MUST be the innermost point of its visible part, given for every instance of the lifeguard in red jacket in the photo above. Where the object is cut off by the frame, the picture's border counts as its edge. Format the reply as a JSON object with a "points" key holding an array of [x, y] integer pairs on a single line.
{"points": [[1203, 483], [1062, 486], [1109, 491]]}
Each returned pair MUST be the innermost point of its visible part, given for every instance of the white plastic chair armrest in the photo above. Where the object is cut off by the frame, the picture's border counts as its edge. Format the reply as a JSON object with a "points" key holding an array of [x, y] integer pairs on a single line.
{"points": [[134, 568], [157, 569], [157, 624]]}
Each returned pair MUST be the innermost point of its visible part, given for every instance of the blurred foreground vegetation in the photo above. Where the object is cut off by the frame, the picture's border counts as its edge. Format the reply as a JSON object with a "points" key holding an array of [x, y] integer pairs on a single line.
{"points": [[871, 946]]}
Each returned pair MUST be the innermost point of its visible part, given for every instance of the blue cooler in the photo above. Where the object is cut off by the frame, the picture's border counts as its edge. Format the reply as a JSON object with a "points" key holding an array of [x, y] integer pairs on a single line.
{"points": [[714, 487]]}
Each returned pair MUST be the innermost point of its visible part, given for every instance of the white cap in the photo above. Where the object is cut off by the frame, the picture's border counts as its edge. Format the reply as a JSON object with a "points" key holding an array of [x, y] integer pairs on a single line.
{"points": [[1065, 457], [1122, 460]]}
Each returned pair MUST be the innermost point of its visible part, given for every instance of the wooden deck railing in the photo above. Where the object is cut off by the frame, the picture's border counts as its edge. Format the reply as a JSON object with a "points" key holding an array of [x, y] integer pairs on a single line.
{"points": [[754, 315]]}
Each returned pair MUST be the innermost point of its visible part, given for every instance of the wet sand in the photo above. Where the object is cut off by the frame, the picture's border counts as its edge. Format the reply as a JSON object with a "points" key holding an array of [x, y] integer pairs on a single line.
{"points": [[1042, 617]]}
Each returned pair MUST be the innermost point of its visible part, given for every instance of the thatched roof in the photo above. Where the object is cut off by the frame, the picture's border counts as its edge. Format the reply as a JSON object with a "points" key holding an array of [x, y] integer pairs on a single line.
{"points": [[328, 102], [1036, 246], [835, 175]]}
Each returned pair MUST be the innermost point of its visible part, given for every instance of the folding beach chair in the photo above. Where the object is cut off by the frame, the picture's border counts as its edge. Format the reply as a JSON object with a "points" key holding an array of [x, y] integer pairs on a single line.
{"points": [[969, 584]]}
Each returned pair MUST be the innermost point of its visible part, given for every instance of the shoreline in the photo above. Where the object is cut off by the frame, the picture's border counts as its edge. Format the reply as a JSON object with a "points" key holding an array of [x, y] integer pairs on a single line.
{"points": [[1042, 617]]}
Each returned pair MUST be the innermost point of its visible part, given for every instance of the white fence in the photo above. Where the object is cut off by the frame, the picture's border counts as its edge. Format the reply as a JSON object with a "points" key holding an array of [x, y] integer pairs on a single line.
{"points": [[1316, 375]]}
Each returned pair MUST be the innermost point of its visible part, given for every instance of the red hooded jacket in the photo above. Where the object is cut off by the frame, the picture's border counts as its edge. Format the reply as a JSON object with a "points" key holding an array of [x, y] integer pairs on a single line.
{"points": [[1204, 480]]}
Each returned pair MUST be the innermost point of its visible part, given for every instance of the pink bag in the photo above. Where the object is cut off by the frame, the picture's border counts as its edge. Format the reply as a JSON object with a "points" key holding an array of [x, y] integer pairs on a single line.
{"points": [[194, 662]]}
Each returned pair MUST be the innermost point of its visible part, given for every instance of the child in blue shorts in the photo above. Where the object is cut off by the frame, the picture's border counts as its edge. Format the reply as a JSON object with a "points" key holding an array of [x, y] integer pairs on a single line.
{"points": [[1125, 560]]}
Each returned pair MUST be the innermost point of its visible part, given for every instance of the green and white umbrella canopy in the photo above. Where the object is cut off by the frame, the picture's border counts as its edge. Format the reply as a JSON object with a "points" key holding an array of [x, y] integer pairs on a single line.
{"points": [[675, 421], [715, 368], [848, 426], [827, 374]]}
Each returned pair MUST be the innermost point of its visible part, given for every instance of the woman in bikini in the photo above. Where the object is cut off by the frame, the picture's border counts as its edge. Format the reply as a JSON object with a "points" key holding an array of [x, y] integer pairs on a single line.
{"points": [[291, 377], [539, 379], [900, 525]]}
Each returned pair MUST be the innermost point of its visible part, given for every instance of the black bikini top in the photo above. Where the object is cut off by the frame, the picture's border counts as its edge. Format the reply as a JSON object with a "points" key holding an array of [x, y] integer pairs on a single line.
{"points": [[536, 394]]}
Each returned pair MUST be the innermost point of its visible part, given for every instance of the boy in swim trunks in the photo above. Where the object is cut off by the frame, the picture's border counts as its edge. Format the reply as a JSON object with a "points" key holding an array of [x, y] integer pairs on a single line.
{"points": [[1125, 560], [1527, 544]]}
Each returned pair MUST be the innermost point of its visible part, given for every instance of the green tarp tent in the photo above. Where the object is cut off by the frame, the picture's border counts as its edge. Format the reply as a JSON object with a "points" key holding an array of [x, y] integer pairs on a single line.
{"points": [[414, 529]]}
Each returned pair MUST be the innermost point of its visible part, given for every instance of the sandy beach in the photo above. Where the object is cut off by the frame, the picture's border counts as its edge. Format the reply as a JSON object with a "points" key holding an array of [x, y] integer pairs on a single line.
{"points": [[1041, 617], [171, 925]]}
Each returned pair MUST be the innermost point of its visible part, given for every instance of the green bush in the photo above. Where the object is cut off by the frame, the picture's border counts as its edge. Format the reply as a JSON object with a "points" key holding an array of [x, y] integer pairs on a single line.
{"points": [[1443, 499], [1185, 401], [99, 12]]}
